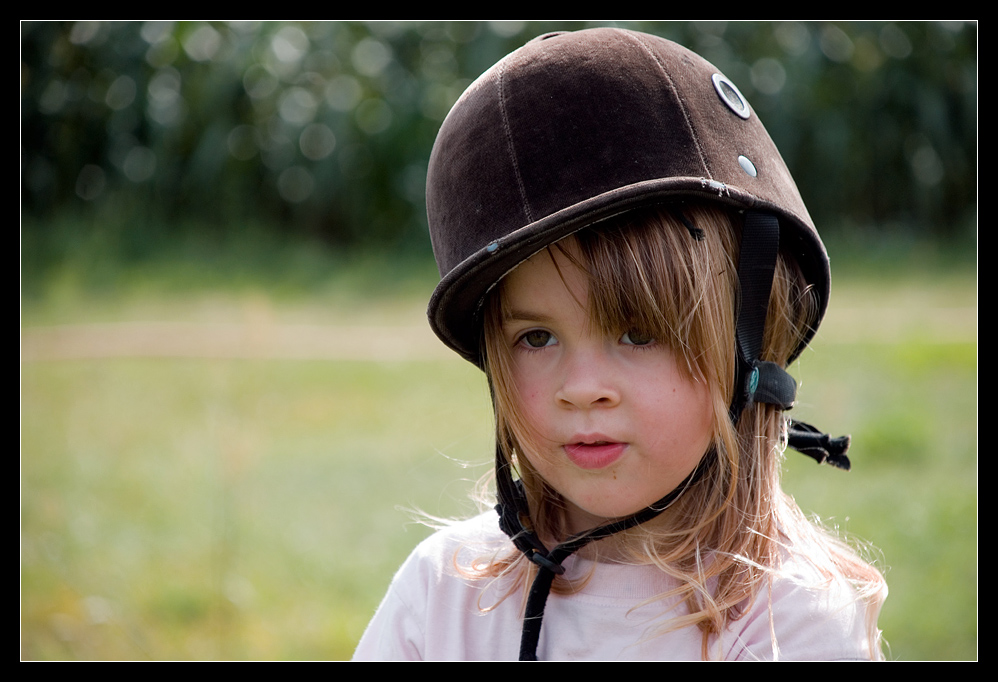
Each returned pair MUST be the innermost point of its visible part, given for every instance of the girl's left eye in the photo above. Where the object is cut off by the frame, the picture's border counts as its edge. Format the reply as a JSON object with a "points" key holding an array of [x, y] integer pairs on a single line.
{"points": [[636, 337]]}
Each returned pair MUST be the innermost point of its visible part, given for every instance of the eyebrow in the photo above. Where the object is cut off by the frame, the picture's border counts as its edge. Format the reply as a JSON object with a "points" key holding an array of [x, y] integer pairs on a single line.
{"points": [[526, 316]]}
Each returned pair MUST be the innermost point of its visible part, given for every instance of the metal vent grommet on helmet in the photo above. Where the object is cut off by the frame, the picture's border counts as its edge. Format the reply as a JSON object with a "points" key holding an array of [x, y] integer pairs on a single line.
{"points": [[731, 95]]}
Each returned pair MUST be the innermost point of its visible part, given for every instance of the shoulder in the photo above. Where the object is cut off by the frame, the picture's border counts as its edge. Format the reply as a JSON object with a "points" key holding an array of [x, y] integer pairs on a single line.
{"points": [[434, 607], [461, 539], [805, 613]]}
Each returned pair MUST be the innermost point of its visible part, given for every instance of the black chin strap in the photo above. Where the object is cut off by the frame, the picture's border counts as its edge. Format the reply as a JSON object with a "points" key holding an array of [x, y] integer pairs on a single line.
{"points": [[514, 521], [756, 381]]}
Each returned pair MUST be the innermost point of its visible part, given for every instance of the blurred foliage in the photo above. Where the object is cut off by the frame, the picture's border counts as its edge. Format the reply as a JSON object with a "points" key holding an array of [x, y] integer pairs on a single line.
{"points": [[324, 129]]}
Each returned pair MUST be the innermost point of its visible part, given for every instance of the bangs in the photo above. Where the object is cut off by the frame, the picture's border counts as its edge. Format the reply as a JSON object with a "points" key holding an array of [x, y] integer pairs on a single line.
{"points": [[665, 274]]}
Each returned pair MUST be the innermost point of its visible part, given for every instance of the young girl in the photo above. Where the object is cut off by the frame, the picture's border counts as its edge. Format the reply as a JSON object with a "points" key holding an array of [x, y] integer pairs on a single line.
{"points": [[626, 256]]}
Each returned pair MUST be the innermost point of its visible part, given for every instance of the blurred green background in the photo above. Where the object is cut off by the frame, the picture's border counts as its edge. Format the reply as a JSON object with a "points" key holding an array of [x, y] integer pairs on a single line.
{"points": [[230, 397]]}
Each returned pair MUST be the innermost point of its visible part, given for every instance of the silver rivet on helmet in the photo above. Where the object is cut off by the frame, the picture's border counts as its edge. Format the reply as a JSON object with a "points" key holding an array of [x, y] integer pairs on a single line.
{"points": [[491, 248], [731, 96], [747, 166]]}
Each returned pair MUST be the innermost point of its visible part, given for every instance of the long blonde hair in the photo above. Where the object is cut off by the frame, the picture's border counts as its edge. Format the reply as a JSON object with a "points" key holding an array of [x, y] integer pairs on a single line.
{"points": [[648, 270]]}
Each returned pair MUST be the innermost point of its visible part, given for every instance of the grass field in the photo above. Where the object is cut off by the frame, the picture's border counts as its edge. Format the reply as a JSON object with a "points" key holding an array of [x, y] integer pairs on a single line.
{"points": [[225, 473]]}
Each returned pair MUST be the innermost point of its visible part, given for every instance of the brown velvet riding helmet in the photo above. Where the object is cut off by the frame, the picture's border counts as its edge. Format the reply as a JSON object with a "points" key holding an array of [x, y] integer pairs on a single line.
{"points": [[574, 128]]}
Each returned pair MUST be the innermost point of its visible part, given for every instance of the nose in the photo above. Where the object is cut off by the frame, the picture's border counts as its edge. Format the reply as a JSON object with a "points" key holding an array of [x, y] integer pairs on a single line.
{"points": [[588, 380]]}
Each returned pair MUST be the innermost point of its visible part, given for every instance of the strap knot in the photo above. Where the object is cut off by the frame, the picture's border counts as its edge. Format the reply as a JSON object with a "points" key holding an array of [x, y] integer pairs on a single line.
{"points": [[819, 446]]}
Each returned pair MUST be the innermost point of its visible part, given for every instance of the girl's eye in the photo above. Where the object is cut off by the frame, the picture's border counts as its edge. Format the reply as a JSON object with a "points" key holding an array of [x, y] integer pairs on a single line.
{"points": [[636, 338], [538, 338]]}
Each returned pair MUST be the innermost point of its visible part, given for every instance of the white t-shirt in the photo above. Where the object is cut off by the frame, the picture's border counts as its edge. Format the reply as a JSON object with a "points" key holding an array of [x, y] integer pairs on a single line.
{"points": [[433, 612]]}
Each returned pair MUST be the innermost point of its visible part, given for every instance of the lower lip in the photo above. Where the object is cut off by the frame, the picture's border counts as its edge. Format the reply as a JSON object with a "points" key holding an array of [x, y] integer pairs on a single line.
{"points": [[595, 456]]}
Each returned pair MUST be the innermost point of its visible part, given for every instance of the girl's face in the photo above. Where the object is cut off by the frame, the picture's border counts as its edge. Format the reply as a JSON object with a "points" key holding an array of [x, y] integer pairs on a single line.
{"points": [[615, 425]]}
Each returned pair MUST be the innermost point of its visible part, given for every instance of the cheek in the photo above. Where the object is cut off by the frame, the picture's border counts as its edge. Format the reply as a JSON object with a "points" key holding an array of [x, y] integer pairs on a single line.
{"points": [[531, 404], [531, 397], [700, 416], [689, 408], [528, 384]]}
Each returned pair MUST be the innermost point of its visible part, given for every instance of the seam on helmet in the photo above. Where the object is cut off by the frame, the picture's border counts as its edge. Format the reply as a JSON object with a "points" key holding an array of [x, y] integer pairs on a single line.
{"points": [[509, 141], [682, 105]]}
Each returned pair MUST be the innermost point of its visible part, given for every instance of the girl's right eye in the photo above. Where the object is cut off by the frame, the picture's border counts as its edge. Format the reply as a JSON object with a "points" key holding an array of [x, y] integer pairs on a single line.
{"points": [[538, 338]]}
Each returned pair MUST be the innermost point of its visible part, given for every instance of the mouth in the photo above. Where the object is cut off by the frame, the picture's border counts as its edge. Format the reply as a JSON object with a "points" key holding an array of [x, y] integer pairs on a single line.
{"points": [[594, 453]]}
